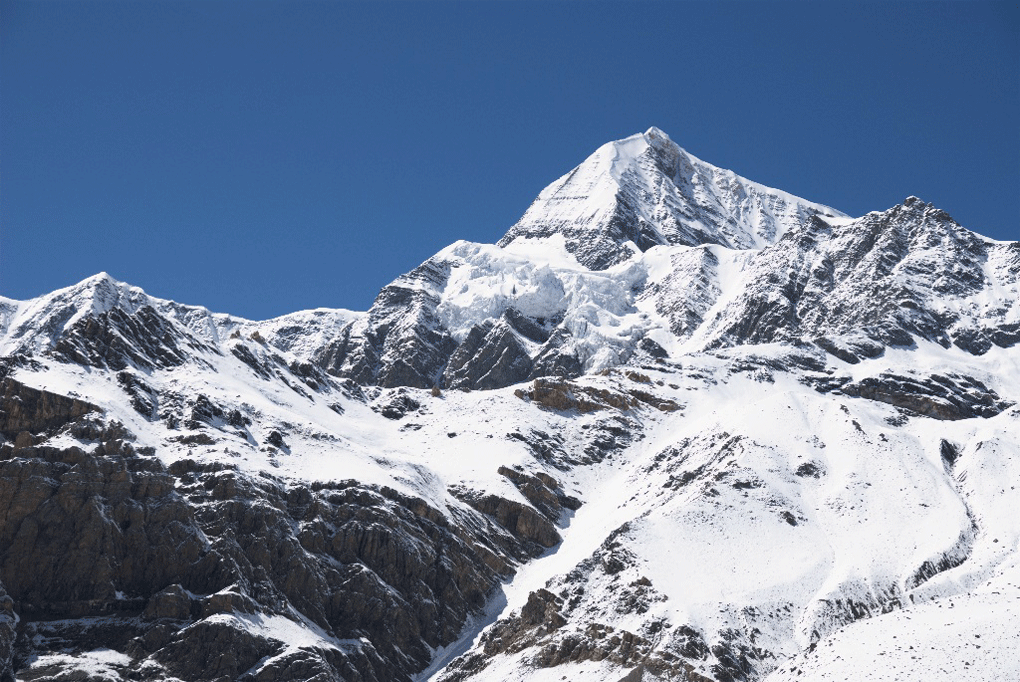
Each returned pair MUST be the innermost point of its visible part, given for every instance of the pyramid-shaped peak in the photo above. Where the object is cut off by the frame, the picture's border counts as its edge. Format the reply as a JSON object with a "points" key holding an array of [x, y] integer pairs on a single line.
{"points": [[98, 279], [636, 145], [102, 282], [654, 135], [644, 190]]}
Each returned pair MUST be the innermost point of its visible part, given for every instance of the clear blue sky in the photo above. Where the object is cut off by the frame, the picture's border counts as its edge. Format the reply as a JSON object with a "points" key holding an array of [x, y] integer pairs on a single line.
{"points": [[264, 157]]}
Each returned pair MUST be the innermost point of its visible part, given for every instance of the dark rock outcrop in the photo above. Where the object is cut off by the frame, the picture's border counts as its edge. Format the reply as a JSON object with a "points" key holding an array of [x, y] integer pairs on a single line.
{"points": [[118, 339], [396, 404], [535, 530], [8, 632], [143, 398], [875, 282], [541, 626], [174, 566], [402, 343], [492, 356], [24, 409], [568, 395], [938, 396], [542, 491]]}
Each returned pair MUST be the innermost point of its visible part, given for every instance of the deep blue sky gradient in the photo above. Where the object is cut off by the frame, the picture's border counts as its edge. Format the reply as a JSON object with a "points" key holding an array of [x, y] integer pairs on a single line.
{"points": [[264, 157]]}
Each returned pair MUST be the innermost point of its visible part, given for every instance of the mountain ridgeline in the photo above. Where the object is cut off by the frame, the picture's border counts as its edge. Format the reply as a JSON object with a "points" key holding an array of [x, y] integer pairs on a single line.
{"points": [[674, 425]]}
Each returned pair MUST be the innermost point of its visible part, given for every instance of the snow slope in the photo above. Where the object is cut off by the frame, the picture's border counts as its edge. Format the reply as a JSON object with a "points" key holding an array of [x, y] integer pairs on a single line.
{"points": [[765, 517]]}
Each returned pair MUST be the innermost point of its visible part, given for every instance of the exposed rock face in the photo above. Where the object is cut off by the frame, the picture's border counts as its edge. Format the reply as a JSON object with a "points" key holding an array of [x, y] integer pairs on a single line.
{"points": [[116, 339], [543, 492], [401, 343], [494, 354], [396, 404], [938, 396], [695, 272], [885, 279], [175, 566], [565, 395], [8, 632], [24, 409], [534, 526], [538, 628], [519, 520]]}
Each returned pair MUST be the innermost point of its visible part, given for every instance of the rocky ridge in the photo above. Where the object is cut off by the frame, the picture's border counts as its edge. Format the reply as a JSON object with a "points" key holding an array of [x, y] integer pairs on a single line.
{"points": [[676, 425]]}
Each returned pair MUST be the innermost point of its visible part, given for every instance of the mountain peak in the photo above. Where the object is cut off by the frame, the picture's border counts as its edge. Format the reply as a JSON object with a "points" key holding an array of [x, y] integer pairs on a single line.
{"points": [[100, 280], [100, 277], [656, 136], [643, 191]]}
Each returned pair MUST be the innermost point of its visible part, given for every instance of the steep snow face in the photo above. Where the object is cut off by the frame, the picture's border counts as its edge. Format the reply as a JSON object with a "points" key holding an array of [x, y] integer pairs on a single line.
{"points": [[645, 190], [31, 326]]}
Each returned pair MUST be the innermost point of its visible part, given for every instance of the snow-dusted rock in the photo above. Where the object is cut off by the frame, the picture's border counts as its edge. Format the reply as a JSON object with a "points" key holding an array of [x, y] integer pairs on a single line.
{"points": [[675, 426], [644, 191]]}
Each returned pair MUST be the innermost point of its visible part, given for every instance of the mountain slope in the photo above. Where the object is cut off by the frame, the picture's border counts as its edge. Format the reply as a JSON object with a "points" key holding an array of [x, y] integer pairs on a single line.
{"points": [[674, 426]]}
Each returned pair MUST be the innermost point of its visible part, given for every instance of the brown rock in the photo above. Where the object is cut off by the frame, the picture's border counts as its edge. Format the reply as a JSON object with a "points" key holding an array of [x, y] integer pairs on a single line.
{"points": [[173, 603], [28, 409]]}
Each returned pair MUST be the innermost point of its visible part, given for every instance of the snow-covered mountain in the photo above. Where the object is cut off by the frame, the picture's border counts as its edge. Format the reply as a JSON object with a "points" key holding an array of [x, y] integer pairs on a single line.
{"points": [[675, 425], [645, 191]]}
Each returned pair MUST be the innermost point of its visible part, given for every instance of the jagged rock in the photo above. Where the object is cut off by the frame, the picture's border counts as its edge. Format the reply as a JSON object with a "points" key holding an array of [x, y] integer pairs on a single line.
{"points": [[128, 529], [543, 492], [651, 347], [401, 343], [695, 272], [143, 398], [937, 396], [556, 359], [275, 438], [565, 395], [24, 409], [119, 339], [172, 602], [949, 453], [8, 632], [146, 539], [491, 356], [257, 364], [520, 520], [204, 412], [396, 404], [877, 281], [850, 348], [810, 470]]}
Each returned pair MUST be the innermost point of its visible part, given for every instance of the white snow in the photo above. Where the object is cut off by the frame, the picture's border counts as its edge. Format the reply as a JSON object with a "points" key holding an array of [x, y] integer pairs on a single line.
{"points": [[104, 664]]}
